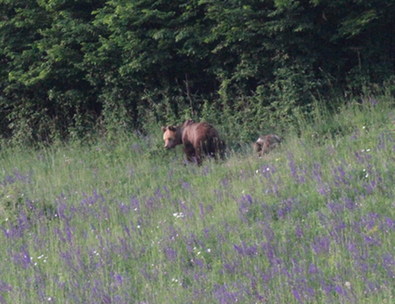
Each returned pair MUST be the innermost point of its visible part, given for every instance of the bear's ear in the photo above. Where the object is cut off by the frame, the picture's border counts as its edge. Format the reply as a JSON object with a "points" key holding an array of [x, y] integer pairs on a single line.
{"points": [[163, 129], [260, 140], [172, 128]]}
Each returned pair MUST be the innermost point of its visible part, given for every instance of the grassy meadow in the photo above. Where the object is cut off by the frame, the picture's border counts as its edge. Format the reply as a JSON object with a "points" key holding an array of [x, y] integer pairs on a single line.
{"points": [[126, 222]]}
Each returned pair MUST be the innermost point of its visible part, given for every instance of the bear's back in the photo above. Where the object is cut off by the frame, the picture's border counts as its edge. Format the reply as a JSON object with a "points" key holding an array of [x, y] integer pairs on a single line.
{"points": [[196, 132]]}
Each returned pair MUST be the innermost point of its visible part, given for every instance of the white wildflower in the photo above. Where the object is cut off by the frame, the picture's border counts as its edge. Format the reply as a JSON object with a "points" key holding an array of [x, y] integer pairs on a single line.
{"points": [[178, 215]]}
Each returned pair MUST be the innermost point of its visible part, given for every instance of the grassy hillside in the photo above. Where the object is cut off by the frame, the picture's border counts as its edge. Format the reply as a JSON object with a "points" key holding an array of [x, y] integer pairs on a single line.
{"points": [[125, 222]]}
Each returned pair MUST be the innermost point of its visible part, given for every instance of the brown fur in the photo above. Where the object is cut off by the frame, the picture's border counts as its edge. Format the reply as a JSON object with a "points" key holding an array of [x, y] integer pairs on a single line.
{"points": [[198, 138], [265, 144]]}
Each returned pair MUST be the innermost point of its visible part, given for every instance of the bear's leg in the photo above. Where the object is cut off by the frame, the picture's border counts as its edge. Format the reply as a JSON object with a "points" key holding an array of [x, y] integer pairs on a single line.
{"points": [[190, 152], [198, 155], [217, 149], [208, 148]]}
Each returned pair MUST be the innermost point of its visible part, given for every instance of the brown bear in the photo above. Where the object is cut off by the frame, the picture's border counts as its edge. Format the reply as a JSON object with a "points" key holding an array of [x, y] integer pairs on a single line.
{"points": [[199, 139], [266, 143]]}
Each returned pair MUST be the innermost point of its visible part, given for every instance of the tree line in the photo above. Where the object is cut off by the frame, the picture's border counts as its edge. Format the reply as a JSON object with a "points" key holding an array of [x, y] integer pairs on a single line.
{"points": [[72, 66]]}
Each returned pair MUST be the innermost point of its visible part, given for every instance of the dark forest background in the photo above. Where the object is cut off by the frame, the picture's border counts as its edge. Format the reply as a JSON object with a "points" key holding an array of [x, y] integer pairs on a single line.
{"points": [[70, 68]]}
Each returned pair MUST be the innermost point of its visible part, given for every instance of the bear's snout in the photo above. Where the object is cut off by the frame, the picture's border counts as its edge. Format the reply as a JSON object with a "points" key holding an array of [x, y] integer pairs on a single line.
{"points": [[169, 144]]}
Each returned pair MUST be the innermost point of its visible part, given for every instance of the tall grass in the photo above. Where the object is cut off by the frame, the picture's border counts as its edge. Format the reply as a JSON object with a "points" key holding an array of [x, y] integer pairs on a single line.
{"points": [[125, 222]]}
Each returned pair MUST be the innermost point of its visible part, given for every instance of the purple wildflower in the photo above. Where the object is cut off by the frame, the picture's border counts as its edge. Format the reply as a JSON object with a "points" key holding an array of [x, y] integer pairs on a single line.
{"points": [[22, 258], [92, 199], [294, 169], [340, 176], [134, 203], [390, 223], [317, 172], [362, 156], [268, 232], [321, 245], [313, 269], [231, 267], [297, 295], [388, 262], [286, 207], [224, 294], [267, 171], [225, 182], [4, 287], [270, 252], [171, 253], [336, 208], [323, 189], [371, 287], [349, 203], [198, 262], [15, 177], [371, 241], [185, 185], [244, 204], [340, 290], [246, 250], [327, 287], [383, 139], [299, 232]]}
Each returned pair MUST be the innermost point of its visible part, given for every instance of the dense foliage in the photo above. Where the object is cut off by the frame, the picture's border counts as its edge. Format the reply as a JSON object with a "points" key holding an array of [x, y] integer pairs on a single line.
{"points": [[68, 67]]}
